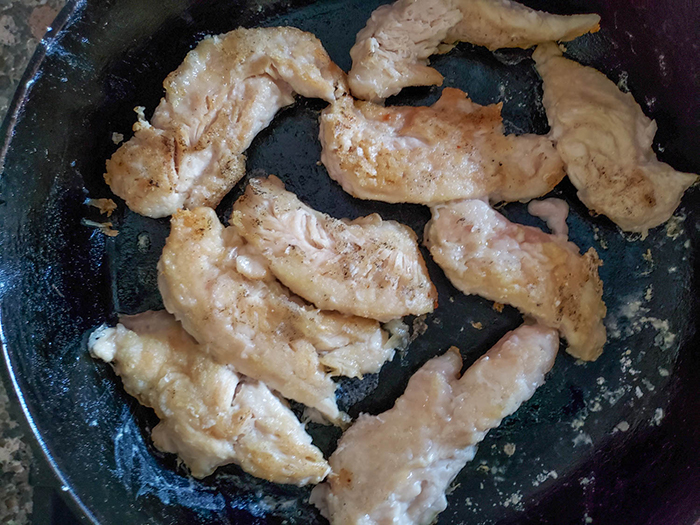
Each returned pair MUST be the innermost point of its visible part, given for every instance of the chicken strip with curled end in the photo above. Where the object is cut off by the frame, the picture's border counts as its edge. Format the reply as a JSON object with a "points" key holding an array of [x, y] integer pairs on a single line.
{"points": [[366, 267], [225, 92], [394, 468], [454, 149], [392, 50], [542, 275], [210, 416], [605, 141], [222, 291]]}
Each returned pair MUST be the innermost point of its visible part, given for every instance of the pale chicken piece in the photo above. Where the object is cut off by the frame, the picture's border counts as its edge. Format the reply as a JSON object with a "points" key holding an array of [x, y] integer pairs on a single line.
{"points": [[497, 24], [605, 141], [366, 267], [394, 468], [210, 416], [554, 212], [453, 149], [542, 275], [225, 92], [392, 50], [222, 291]]}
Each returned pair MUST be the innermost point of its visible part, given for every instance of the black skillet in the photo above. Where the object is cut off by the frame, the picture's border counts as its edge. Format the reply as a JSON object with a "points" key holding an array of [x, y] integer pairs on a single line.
{"points": [[610, 442]]}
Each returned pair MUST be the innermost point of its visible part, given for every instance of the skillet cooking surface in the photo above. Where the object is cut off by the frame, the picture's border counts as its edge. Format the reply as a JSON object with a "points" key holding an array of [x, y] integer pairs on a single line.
{"points": [[605, 442]]}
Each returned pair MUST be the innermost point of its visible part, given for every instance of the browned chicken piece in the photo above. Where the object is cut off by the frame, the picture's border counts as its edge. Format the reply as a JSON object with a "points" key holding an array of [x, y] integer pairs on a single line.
{"points": [[210, 416], [394, 468], [225, 92], [451, 150], [392, 50], [366, 267], [605, 141], [542, 275], [222, 291]]}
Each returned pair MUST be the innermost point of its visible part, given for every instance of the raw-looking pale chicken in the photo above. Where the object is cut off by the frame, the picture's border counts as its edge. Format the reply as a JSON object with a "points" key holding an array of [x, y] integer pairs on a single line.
{"points": [[210, 416], [453, 149], [225, 92], [394, 468], [542, 275], [222, 291], [366, 267], [392, 51], [605, 141]]}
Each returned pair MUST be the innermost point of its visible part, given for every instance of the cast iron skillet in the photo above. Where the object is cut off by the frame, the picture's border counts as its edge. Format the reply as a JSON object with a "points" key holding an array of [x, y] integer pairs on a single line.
{"points": [[608, 442]]}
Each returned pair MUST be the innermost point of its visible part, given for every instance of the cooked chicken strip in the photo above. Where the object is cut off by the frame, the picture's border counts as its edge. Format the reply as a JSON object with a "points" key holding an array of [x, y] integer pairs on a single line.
{"points": [[225, 92], [451, 150], [367, 267], [221, 289], [210, 416], [503, 23], [542, 275], [392, 51], [394, 468], [605, 141]]}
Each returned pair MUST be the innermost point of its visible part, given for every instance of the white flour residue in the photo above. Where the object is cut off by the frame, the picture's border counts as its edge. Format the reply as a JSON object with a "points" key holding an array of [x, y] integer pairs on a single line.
{"points": [[631, 318], [622, 426], [139, 472], [657, 417], [544, 476]]}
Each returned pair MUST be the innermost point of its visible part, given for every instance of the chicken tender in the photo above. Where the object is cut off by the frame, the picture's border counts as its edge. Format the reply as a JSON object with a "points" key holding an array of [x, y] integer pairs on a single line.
{"points": [[605, 141], [542, 275], [394, 468], [367, 267], [392, 50], [210, 416], [225, 92], [453, 149], [222, 291]]}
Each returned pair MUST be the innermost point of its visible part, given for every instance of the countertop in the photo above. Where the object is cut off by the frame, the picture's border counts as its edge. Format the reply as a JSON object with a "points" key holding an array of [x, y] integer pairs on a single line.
{"points": [[22, 25]]}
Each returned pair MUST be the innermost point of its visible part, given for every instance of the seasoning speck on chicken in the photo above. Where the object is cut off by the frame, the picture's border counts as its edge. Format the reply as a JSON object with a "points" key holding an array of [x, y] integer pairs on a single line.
{"points": [[222, 291], [605, 141], [392, 50], [394, 468], [453, 149], [542, 275], [366, 267], [210, 416], [225, 92]]}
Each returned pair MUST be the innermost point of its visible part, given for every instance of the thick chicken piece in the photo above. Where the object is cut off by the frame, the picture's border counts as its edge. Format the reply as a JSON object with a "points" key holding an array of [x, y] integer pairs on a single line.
{"points": [[392, 50], [210, 416], [542, 275], [367, 267], [394, 468], [453, 149], [225, 92], [605, 141], [222, 291]]}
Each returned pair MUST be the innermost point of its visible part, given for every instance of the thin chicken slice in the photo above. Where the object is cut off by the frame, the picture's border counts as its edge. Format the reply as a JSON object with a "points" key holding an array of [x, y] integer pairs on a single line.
{"points": [[225, 92], [367, 267], [210, 416], [392, 50], [453, 149], [542, 275], [605, 141], [394, 468], [222, 291], [496, 24]]}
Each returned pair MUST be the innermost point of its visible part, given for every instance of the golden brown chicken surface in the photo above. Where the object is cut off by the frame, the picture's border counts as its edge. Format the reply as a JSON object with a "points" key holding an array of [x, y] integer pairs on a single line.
{"points": [[366, 267], [453, 149], [225, 92]]}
